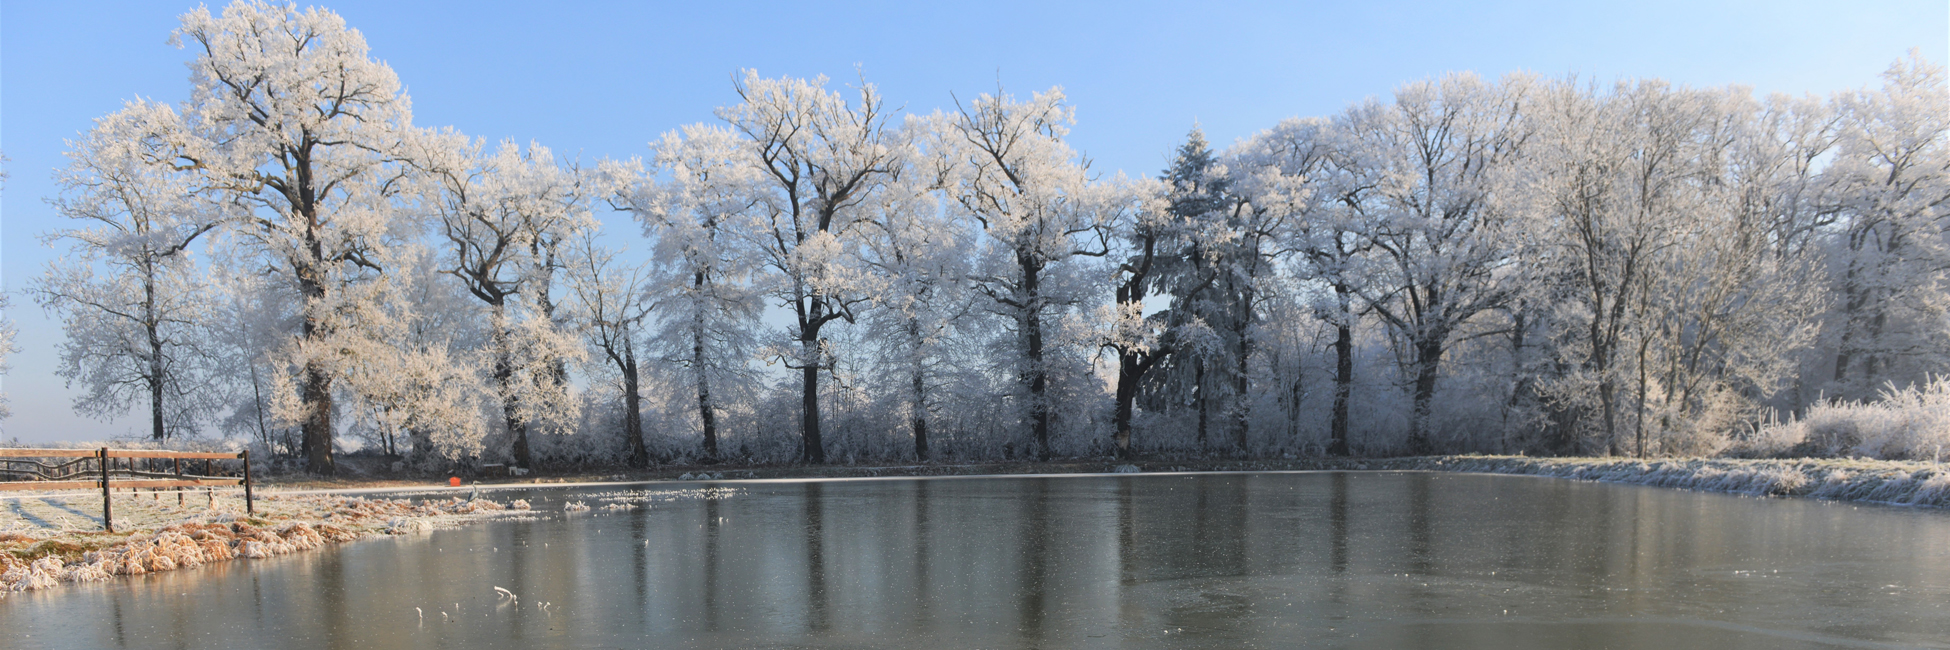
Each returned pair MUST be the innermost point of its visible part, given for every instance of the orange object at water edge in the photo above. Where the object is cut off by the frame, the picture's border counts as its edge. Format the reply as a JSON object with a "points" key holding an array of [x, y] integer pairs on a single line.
{"points": [[453, 481]]}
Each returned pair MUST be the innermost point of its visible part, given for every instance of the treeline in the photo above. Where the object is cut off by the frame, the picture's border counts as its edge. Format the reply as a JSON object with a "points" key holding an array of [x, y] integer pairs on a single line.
{"points": [[1524, 264]]}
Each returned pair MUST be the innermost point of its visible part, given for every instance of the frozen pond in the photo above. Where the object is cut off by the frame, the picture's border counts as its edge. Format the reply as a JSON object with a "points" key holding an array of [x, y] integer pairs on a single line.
{"points": [[1351, 560]]}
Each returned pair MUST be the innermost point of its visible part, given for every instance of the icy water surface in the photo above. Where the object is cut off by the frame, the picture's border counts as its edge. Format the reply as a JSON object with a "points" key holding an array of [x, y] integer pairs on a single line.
{"points": [[1275, 560]]}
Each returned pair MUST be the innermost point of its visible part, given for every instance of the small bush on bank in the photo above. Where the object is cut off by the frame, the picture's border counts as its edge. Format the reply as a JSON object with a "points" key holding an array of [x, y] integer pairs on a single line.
{"points": [[1911, 423]]}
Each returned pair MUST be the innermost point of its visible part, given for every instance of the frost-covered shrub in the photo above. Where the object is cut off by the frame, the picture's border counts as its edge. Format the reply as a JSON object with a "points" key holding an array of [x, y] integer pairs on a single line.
{"points": [[1722, 417], [1912, 423]]}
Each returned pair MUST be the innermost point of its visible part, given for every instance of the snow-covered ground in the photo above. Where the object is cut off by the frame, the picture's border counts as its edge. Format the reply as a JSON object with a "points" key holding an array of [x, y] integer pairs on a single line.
{"points": [[46, 540], [1845, 479]]}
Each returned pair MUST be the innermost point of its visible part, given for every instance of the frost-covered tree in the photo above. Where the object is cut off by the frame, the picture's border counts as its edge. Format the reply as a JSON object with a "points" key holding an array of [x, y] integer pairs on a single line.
{"points": [[501, 216], [6, 349], [1197, 201], [1725, 312], [822, 158], [1427, 190], [1617, 177], [1267, 194], [611, 300], [410, 363], [1148, 240], [6, 325], [1232, 216], [919, 251], [1890, 187], [131, 300], [291, 119], [1039, 211], [705, 188], [254, 314], [1327, 241]]}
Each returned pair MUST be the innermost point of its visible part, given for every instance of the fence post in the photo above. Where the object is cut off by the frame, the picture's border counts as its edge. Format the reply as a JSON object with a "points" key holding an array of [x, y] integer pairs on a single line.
{"points": [[250, 507], [108, 513]]}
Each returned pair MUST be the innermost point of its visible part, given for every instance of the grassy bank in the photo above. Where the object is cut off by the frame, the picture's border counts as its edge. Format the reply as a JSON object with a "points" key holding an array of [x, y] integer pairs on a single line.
{"points": [[47, 541], [1913, 483]]}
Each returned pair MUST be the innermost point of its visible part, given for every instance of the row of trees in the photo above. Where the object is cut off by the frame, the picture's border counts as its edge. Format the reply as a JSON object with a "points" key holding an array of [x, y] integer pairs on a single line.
{"points": [[1524, 264]]}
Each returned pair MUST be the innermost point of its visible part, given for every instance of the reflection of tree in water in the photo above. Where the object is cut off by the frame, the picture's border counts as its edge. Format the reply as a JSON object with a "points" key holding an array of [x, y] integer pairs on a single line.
{"points": [[1218, 541], [817, 614], [640, 553], [1421, 562], [1219, 526], [923, 556], [1035, 559], [1421, 540], [1127, 556], [1337, 525], [712, 545]]}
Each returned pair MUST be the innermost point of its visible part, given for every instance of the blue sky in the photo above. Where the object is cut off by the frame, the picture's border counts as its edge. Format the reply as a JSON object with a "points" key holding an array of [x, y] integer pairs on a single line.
{"points": [[601, 79]]}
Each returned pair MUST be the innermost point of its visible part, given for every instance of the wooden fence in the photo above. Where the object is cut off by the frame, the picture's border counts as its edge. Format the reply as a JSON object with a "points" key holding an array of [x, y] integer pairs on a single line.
{"points": [[109, 469]]}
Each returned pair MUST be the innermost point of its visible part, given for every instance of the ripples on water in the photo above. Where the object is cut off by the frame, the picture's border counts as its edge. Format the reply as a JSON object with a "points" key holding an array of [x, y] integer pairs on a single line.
{"points": [[1353, 560]]}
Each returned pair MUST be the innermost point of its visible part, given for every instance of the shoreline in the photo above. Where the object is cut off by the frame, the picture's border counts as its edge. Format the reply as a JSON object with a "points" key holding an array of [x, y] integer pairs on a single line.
{"points": [[305, 514], [154, 537], [1885, 482]]}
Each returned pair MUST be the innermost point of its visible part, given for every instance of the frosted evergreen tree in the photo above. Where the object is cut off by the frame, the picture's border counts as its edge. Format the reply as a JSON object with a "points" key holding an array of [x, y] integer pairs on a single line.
{"points": [[1191, 272]]}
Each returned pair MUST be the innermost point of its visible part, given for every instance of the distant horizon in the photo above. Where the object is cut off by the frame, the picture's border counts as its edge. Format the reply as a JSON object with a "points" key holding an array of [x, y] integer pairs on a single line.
{"points": [[602, 82]]}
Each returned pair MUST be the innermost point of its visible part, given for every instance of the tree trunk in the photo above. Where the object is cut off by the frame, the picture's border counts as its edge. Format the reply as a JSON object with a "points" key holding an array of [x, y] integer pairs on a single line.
{"points": [[1600, 365], [257, 401], [155, 400], [1241, 381], [1343, 376], [504, 373], [1242, 323], [1203, 402], [1872, 362], [156, 431], [811, 318], [1852, 305], [633, 407], [558, 368], [1638, 423], [1610, 406], [317, 392], [815, 446], [318, 420], [920, 415], [1428, 358], [1519, 380], [1295, 390], [1032, 336], [707, 417], [1128, 373]]}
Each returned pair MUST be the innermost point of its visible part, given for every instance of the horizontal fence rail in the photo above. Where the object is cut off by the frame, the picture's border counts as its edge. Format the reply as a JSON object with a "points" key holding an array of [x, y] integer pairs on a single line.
{"points": [[109, 469]]}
